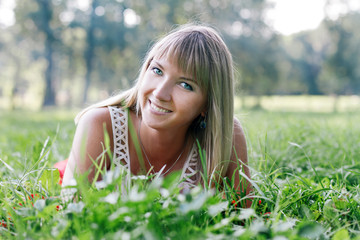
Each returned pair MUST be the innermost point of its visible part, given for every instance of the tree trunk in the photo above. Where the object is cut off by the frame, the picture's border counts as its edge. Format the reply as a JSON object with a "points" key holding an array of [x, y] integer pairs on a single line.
{"points": [[89, 52], [43, 23], [49, 99]]}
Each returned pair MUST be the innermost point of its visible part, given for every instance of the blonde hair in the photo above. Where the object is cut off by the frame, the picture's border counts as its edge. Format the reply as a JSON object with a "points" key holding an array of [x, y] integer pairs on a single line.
{"points": [[201, 52]]}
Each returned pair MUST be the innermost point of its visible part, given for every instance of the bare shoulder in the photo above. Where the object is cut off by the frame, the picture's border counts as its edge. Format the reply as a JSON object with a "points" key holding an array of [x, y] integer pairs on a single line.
{"points": [[89, 141], [239, 143], [239, 135], [96, 115], [238, 156]]}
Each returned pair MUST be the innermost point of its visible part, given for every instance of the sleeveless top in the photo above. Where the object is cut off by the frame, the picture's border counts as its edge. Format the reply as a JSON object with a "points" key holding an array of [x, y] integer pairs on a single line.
{"points": [[190, 175]]}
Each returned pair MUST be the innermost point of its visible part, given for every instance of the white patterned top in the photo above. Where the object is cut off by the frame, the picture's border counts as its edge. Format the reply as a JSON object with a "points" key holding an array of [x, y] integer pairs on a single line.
{"points": [[119, 118]]}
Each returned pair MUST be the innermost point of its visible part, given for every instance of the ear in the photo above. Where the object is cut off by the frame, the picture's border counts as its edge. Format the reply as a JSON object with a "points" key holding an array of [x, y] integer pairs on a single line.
{"points": [[203, 113]]}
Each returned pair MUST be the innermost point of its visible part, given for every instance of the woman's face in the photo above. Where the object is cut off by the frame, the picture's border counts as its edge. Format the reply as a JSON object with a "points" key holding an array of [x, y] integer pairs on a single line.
{"points": [[169, 98]]}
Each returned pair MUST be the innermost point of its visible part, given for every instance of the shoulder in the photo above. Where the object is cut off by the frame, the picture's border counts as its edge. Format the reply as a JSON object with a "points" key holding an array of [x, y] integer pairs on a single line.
{"points": [[239, 153], [238, 132], [92, 128], [96, 115], [95, 118], [239, 150]]}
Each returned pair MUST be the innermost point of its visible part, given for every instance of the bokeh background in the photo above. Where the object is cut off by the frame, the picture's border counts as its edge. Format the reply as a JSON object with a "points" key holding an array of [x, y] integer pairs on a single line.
{"points": [[71, 53]]}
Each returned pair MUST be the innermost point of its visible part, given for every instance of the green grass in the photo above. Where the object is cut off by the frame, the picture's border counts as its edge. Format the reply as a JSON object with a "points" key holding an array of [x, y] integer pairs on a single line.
{"points": [[304, 166], [301, 103]]}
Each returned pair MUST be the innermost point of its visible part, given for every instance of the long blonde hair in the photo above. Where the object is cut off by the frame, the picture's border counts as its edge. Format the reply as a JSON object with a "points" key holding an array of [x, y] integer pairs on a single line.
{"points": [[200, 51]]}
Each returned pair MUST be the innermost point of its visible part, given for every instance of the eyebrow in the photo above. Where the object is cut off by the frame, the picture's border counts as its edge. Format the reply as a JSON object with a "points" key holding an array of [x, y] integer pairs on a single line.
{"points": [[182, 77]]}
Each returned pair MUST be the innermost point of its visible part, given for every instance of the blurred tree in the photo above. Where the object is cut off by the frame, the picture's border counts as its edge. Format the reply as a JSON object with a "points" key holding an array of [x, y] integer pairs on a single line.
{"points": [[13, 84], [341, 73], [254, 45], [257, 65], [306, 55], [107, 45], [23, 68], [87, 49], [310, 65], [42, 19]]}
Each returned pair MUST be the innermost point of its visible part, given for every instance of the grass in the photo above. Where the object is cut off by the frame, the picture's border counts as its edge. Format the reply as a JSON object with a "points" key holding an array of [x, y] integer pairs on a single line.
{"points": [[301, 103], [304, 167]]}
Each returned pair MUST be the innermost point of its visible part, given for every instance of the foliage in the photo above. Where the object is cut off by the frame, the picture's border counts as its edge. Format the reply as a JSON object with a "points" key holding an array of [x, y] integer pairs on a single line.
{"points": [[304, 172], [86, 50], [340, 74]]}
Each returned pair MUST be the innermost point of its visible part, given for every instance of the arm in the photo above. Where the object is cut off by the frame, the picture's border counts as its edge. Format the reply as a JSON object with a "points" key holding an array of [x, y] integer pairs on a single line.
{"points": [[89, 144], [239, 158]]}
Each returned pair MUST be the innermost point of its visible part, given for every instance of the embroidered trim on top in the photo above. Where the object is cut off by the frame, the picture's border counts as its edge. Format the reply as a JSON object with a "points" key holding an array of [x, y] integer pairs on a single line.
{"points": [[190, 174], [120, 134]]}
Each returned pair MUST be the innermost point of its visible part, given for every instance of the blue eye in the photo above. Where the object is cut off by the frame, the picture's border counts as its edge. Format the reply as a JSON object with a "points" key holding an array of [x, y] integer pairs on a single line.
{"points": [[157, 71], [186, 86]]}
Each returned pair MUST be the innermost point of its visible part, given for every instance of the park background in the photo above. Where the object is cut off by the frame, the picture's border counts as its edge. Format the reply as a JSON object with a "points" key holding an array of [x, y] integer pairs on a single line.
{"points": [[72, 53], [297, 98]]}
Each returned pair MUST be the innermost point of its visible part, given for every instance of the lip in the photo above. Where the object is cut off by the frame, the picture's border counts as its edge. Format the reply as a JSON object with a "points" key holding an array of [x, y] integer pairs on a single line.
{"points": [[158, 109]]}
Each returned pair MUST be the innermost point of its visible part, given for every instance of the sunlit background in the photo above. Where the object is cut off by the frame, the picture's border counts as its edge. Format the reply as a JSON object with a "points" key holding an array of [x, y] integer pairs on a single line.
{"points": [[68, 53], [292, 16]]}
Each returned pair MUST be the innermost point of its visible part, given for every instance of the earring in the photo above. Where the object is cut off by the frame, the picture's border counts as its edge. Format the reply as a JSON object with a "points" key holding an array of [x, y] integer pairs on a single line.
{"points": [[203, 123]]}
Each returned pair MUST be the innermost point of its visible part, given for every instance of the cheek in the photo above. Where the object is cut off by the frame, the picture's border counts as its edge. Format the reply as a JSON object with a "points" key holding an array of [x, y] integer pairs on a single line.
{"points": [[202, 103], [141, 95], [198, 106], [145, 85]]}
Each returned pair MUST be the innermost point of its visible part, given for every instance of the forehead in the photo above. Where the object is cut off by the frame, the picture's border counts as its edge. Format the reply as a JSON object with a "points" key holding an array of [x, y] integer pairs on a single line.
{"points": [[170, 63]]}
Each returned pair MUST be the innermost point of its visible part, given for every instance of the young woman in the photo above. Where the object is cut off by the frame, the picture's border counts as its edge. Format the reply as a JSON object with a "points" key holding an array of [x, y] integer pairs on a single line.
{"points": [[183, 96]]}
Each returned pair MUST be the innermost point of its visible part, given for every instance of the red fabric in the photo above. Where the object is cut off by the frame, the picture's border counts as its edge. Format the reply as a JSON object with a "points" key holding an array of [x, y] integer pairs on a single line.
{"points": [[61, 167]]}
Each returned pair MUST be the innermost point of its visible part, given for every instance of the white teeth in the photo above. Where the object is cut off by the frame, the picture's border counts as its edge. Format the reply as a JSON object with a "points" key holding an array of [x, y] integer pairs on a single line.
{"points": [[159, 109]]}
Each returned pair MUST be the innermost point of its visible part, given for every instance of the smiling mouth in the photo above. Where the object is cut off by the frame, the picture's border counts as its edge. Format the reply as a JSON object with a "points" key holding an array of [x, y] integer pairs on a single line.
{"points": [[158, 109]]}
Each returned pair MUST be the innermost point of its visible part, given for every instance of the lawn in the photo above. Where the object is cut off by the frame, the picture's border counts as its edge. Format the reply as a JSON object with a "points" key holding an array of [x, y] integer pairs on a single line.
{"points": [[304, 165]]}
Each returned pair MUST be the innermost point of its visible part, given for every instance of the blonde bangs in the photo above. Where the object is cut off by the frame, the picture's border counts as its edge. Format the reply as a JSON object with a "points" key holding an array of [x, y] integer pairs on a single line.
{"points": [[190, 52]]}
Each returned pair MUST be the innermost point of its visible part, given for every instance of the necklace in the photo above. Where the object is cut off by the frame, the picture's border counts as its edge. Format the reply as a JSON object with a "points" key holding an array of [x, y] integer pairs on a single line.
{"points": [[147, 159]]}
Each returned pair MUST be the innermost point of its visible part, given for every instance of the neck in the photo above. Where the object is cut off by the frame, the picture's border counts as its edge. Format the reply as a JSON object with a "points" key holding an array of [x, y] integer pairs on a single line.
{"points": [[162, 147]]}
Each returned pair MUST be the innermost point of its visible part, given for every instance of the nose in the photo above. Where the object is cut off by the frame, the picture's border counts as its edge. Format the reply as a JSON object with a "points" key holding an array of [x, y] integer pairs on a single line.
{"points": [[163, 91]]}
